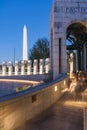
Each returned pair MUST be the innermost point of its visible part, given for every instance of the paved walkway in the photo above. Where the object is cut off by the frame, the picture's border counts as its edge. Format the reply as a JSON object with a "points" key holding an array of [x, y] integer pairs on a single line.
{"points": [[65, 114]]}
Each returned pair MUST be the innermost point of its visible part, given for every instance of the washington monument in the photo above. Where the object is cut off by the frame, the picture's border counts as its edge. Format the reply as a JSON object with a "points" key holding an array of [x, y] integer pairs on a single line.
{"points": [[25, 48]]}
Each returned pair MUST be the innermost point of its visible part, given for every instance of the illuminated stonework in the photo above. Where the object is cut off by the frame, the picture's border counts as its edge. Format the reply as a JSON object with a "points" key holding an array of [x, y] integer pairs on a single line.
{"points": [[25, 67], [63, 14]]}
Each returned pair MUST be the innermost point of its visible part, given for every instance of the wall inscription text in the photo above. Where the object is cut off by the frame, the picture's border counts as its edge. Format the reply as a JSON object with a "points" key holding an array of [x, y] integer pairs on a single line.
{"points": [[71, 10]]}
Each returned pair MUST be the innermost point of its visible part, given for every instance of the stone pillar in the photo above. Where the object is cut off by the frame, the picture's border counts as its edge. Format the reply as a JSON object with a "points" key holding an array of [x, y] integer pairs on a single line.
{"points": [[3, 68], [29, 67], [76, 61], [71, 65], [59, 55], [47, 65], [55, 58], [10, 68], [68, 65], [35, 67], [84, 56], [22, 68], [63, 55], [16, 68], [41, 65], [79, 60]]}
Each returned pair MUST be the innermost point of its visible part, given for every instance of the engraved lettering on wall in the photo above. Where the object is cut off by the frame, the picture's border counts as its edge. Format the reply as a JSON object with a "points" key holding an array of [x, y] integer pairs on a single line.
{"points": [[71, 10]]}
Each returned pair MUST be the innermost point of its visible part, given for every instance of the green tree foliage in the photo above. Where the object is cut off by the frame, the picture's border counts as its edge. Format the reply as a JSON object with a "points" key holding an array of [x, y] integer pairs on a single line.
{"points": [[40, 49]]}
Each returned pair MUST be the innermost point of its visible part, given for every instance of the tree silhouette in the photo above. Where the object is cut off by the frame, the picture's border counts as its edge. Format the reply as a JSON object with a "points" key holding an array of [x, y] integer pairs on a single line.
{"points": [[40, 49]]}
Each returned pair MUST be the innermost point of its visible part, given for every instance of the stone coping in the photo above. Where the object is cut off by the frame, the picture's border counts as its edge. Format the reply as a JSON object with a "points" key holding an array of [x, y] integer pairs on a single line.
{"points": [[32, 89]]}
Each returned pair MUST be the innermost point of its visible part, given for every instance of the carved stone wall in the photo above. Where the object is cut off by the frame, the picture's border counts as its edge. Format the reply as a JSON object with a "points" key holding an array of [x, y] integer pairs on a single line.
{"points": [[63, 14]]}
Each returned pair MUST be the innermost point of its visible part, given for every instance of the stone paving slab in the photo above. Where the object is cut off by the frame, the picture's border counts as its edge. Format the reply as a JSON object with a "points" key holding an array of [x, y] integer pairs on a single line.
{"points": [[63, 115]]}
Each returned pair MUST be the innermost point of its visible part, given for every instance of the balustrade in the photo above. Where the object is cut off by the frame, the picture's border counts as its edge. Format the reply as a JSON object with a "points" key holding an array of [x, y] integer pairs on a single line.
{"points": [[25, 68]]}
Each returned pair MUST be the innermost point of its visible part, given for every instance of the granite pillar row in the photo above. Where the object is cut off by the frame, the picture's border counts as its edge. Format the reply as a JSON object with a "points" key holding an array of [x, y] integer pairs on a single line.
{"points": [[41, 66], [16, 68], [47, 65], [35, 67], [4, 68], [10, 68], [22, 68], [29, 67]]}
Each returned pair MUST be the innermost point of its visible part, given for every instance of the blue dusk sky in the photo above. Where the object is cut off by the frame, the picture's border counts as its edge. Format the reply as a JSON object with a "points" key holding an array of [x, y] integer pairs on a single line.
{"points": [[14, 14]]}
